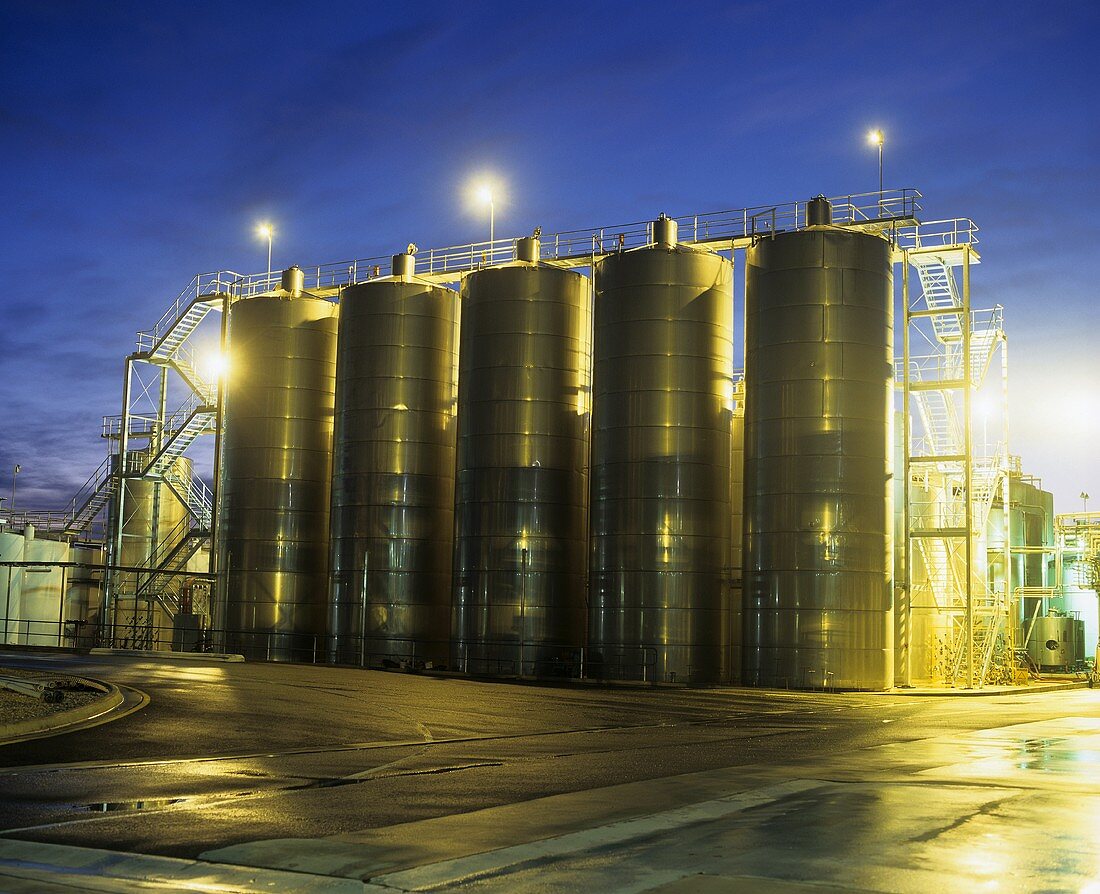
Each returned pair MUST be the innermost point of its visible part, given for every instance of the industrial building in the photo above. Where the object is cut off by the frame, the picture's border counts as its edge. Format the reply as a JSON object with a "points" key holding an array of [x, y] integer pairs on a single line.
{"points": [[538, 457]]}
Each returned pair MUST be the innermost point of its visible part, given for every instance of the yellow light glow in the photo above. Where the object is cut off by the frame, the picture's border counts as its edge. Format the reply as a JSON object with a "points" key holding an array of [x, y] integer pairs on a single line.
{"points": [[483, 191], [875, 138], [213, 366], [265, 230]]}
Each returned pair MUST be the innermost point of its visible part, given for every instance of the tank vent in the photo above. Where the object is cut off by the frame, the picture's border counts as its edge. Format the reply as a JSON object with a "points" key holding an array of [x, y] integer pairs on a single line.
{"points": [[293, 281], [665, 231], [404, 264], [527, 249], [819, 213]]}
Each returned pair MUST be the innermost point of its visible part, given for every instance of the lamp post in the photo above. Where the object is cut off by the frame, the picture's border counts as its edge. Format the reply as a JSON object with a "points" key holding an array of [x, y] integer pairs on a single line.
{"points": [[1084, 501], [876, 138], [267, 231], [486, 196], [14, 473]]}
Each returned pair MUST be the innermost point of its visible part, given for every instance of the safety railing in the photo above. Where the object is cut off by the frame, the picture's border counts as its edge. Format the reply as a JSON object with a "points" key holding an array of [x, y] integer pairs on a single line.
{"points": [[939, 234], [895, 205], [190, 633], [201, 285], [141, 426], [195, 493], [43, 520]]}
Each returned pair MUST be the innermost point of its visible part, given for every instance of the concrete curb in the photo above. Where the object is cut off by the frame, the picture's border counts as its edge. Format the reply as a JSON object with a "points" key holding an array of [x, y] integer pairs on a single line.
{"points": [[54, 724], [1033, 689], [170, 656]]}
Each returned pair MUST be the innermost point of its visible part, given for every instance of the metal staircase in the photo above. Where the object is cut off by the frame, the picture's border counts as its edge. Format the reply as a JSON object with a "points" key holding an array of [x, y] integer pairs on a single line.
{"points": [[92, 498], [166, 348], [956, 351], [193, 418], [161, 582], [183, 362]]}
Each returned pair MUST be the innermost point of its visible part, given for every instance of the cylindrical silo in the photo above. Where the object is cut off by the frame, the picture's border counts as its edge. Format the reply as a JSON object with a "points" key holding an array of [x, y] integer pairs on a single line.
{"points": [[662, 406], [276, 475], [522, 468], [393, 470], [818, 463]]}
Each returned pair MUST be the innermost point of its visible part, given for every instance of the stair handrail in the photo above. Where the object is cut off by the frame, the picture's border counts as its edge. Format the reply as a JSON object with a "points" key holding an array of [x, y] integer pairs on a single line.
{"points": [[183, 359], [200, 286], [193, 492]]}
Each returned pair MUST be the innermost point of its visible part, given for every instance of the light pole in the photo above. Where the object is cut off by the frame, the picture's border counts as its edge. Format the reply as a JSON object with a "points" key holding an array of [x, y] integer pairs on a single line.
{"points": [[1084, 501], [876, 138], [15, 472], [486, 196], [267, 231]]}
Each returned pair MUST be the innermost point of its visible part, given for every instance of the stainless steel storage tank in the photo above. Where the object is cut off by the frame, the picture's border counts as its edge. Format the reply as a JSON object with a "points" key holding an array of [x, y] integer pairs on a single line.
{"points": [[276, 474], [818, 461], [662, 407], [393, 470], [1056, 641], [522, 468]]}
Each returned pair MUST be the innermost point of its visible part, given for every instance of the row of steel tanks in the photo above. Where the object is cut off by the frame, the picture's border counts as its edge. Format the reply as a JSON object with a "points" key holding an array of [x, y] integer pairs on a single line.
{"points": [[548, 486]]}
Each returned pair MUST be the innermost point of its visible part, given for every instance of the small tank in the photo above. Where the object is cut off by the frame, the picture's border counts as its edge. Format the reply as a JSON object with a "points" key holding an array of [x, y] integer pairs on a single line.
{"points": [[1057, 642], [522, 468], [276, 474], [393, 471]]}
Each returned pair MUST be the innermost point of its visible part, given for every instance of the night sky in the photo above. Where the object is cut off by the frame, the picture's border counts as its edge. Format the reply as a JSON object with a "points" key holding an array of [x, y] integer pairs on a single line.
{"points": [[143, 142]]}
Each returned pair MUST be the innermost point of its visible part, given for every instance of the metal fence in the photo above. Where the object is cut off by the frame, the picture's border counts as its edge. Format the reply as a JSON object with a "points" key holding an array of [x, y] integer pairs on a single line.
{"points": [[190, 633]]}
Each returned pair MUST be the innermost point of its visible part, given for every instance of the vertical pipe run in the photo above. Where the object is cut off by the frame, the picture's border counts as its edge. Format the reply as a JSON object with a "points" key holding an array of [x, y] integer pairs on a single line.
{"points": [[968, 471], [1010, 607], [906, 645], [115, 553], [217, 608]]}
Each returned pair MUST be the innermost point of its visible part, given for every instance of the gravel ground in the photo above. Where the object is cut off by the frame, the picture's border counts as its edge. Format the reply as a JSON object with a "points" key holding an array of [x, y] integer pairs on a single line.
{"points": [[15, 707]]}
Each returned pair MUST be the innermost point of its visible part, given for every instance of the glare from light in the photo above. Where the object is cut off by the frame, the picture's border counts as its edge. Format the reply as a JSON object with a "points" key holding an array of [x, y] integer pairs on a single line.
{"points": [[265, 230], [213, 366], [986, 404], [484, 190], [875, 138]]}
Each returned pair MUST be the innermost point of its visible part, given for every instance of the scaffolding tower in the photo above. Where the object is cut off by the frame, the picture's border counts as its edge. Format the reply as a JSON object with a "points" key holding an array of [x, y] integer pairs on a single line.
{"points": [[960, 625]]}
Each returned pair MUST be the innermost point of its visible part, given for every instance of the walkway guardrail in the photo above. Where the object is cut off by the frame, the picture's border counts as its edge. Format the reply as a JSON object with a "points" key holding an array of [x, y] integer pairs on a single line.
{"points": [[885, 207]]}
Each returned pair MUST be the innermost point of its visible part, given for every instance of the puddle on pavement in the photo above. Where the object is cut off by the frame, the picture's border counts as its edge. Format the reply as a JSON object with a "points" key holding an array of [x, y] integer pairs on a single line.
{"points": [[109, 806]]}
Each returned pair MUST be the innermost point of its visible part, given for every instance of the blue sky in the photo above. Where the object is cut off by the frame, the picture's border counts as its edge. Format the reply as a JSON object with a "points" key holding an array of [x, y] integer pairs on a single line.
{"points": [[142, 142]]}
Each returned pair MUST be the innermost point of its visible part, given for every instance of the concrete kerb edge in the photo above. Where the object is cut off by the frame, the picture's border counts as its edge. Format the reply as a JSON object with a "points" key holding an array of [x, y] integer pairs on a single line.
{"points": [[53, 724], [1033, 689], [169, 656]]}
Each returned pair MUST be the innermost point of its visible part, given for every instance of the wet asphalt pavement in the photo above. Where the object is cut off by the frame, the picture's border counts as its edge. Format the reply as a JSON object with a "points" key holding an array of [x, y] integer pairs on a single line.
{"points": [[230, 753]]}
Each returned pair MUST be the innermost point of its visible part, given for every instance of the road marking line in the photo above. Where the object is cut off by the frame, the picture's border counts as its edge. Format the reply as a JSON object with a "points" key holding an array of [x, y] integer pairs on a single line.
{"points": [[88, 869], [465, 869], [326, 749]]}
